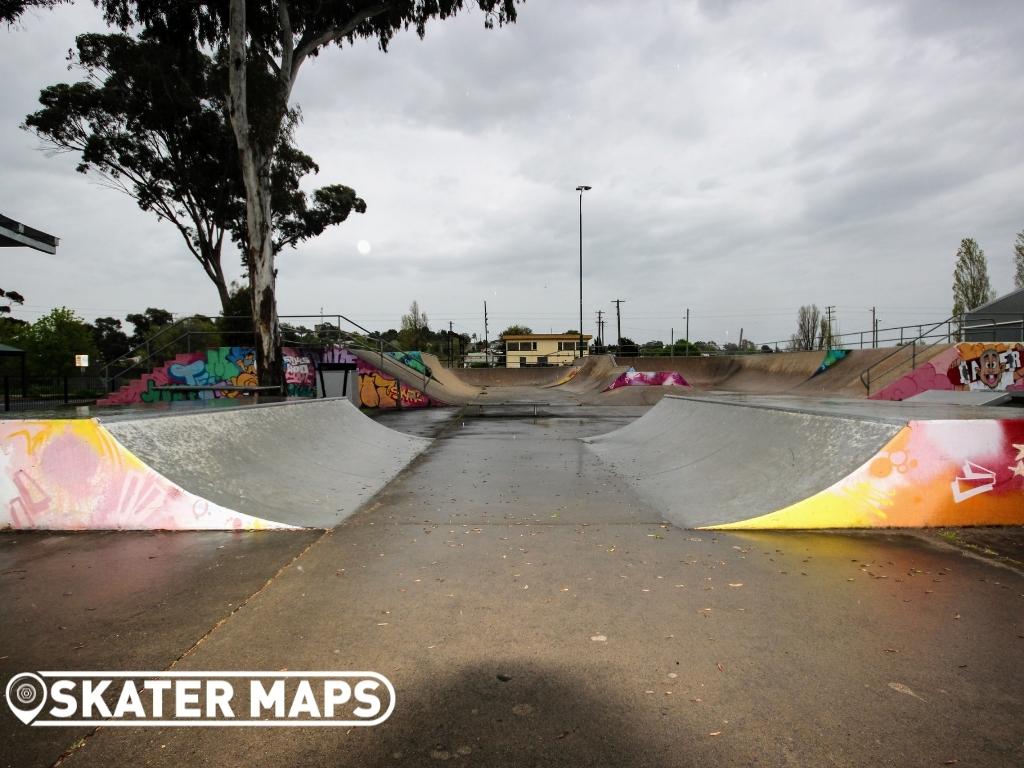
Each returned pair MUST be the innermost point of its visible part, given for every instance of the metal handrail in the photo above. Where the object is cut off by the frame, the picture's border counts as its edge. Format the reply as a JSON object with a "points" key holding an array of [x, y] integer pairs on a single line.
{"points": [[152, 353], [865, 375]]}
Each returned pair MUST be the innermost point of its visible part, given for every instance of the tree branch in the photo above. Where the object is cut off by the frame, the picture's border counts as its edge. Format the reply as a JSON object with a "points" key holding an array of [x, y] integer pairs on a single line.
{"points": [[309, 45]]}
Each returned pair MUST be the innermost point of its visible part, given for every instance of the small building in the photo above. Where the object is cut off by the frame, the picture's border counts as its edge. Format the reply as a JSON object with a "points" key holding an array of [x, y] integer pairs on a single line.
{"points": [[526, 350], [1001, 319]]}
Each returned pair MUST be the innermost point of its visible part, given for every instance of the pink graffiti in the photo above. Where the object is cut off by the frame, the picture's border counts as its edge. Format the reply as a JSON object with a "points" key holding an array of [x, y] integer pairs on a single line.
{"points": [[634, 378]]}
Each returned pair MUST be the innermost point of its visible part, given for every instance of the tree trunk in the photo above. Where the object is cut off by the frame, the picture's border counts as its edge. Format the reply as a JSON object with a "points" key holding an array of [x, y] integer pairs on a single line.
{"points": [[262, 284], [255, 164]]}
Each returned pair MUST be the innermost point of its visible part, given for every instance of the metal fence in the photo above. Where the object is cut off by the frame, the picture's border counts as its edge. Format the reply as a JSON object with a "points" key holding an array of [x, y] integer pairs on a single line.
{"points": [[34, 393]]}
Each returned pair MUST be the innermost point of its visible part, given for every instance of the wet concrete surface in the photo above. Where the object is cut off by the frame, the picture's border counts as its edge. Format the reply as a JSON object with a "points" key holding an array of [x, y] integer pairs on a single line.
{"points": [[530, 611], [119, 601], [890, 411], [421, 422]]}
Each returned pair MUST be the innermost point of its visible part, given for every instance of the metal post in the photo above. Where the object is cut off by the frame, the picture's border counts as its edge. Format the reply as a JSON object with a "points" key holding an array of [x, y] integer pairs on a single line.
{"points": [[581, 189], [579, 347]]}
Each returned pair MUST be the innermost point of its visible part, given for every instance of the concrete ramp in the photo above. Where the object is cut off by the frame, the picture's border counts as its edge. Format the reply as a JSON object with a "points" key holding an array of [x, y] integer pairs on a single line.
{"points": [[953, 397], [594, 375], [724, 465], [73, 475], [306, 463], [441, 386]]}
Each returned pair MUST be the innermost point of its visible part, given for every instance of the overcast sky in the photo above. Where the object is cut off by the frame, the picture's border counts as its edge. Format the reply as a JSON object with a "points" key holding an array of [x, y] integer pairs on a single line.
{"points": [[746, 157]]}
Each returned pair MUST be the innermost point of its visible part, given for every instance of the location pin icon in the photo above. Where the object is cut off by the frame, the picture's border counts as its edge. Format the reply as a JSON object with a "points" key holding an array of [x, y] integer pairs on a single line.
{"points": [[26, 696]]}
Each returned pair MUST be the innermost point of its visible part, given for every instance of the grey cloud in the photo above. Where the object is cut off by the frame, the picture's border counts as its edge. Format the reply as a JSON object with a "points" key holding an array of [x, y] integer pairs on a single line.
{"points": [[747, 157]]}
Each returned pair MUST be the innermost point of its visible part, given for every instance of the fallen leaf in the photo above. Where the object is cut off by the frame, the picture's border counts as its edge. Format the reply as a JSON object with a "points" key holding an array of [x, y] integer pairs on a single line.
{"points": [[901, 688]]}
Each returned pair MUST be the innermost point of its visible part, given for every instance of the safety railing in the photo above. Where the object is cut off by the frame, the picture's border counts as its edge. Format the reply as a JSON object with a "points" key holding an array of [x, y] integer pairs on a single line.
{"points": [[908, 352]]}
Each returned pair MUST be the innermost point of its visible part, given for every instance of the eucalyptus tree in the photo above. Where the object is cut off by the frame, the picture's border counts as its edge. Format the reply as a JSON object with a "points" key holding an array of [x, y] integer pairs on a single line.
{"points": [[266, 44], [149, 118]]}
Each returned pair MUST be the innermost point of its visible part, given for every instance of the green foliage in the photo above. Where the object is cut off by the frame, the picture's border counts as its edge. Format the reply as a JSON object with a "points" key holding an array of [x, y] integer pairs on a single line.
{"points": [[146, 322], [110, 339], [12, 297], [971, 284], [1018, 261], [235, 322], [415, 329], [516, 330], [52, 342], [12, 10], [150, 118]]}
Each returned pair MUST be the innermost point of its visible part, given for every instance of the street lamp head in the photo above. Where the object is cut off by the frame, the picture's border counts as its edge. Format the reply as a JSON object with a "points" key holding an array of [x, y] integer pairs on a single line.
{"points": [[582, 188]]}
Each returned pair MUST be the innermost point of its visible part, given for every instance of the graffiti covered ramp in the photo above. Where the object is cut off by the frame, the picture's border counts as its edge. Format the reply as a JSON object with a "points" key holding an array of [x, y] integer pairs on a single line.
{"points": [[308, 464], [73, 475], [445, 390], [715, 463]]}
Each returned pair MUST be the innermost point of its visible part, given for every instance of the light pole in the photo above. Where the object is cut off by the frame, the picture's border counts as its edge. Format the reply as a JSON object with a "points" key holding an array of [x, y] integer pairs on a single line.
{"points": [[581, 189]]}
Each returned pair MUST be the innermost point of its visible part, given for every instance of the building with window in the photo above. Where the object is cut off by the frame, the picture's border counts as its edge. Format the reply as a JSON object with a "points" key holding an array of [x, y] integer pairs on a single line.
{"points": [[544, 349]]}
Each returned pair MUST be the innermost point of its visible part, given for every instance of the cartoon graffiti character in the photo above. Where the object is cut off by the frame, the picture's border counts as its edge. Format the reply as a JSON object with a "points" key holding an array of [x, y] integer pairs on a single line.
{"points": [[993, 369]]}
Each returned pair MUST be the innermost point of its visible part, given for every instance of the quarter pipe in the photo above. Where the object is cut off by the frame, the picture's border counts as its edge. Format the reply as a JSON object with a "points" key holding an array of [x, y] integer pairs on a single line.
{"points": [[719, 464], [298, 464]]}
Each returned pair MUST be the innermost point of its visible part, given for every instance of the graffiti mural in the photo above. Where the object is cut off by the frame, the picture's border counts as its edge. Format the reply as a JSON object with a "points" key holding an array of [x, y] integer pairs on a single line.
{"points": [[378, 390], [412, 360], [66, 474], [299, 372], [234, 366], [237, 366], [968, 366], [635, 378], [987, 367], [932, 473], [832, 357], [337, 354]]}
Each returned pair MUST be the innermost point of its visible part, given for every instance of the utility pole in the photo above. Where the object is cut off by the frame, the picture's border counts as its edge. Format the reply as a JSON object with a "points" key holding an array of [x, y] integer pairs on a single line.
{"points": [[451, 351], [687, 330], [487, 343], [618, 321], [828, 324], [600, 327], [672, 342], [874, 330], [741, 340]]}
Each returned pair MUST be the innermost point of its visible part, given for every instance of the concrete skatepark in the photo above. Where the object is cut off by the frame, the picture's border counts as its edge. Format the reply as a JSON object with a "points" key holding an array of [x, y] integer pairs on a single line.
{"points": [[807, 462], [524, 565]]}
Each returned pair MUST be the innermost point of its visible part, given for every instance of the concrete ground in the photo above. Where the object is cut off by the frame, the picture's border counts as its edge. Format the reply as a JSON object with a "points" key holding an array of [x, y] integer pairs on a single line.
{"points": [[531, 611]]}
